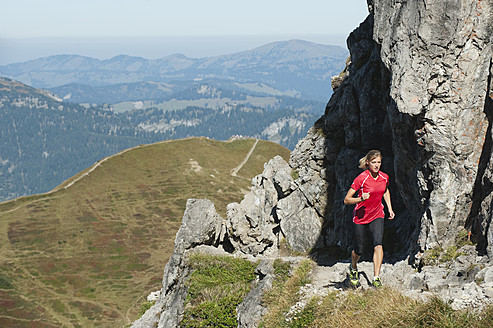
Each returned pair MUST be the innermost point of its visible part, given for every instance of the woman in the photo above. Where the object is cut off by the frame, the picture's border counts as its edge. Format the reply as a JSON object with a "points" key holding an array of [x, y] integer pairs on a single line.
{"points": [[370, 186]]}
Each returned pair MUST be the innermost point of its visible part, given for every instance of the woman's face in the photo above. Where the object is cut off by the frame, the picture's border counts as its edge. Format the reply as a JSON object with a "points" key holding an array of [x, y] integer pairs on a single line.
{"points": [[374, 164]]}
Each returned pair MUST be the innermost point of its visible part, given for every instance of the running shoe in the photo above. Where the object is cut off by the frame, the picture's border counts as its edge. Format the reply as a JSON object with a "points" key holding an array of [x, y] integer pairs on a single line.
{"points": [[353, 276], [376, 283]]}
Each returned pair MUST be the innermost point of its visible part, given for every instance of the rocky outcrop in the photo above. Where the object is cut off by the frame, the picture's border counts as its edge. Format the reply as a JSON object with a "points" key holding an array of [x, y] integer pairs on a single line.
{"points": [[418, 87], [201, 226], [251, 310], [438, 55]]}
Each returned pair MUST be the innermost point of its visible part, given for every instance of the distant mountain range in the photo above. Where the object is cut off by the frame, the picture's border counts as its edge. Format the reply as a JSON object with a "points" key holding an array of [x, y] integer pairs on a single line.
{"points": [[292, 68]]}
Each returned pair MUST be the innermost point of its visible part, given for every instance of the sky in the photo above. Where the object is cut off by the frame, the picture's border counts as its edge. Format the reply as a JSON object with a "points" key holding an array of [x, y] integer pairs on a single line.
{"points": [[156, 28]]}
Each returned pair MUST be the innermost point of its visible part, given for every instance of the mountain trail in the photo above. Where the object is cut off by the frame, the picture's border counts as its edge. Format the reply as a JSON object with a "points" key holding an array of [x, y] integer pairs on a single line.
{"points": [[329, 276], [334, 276], [234, 171]]}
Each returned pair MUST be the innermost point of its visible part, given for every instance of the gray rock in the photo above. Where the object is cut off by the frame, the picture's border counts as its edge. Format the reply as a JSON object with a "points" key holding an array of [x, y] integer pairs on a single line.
{"points": [[417, 283], [201, 225], [300, 225], [251, 310], [252, 225], [439, 67]]}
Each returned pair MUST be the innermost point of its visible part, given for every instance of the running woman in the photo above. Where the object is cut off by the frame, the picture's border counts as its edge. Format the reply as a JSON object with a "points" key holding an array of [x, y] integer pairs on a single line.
{"points": [[368, 216]]}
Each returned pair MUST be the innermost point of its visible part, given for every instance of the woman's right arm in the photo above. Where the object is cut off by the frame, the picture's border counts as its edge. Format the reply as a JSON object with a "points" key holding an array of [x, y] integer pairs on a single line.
{"points": [[350, 200]]}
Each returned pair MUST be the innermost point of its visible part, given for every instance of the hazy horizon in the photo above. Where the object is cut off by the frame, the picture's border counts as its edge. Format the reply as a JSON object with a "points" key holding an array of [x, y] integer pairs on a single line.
{"points": [[15, 50], [151, 29]]}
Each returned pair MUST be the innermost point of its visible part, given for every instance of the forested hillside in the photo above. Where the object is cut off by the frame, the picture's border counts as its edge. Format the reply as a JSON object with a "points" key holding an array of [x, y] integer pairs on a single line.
{"points": [[45, 141]]}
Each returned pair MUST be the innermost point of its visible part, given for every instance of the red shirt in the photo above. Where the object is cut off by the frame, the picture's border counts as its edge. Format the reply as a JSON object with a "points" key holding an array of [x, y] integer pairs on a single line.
{"points": [[372, 208]]}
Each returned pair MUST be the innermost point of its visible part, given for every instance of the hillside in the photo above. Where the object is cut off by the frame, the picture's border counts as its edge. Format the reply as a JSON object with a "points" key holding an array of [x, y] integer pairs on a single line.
{"points": [[88, 254], [46, 140]]}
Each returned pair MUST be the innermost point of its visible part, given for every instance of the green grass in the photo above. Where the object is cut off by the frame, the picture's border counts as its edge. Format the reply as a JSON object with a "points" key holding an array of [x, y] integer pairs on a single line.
{"points": [[145, 306], [5, 283], [99, 247], [284, 292], [216, 287]]}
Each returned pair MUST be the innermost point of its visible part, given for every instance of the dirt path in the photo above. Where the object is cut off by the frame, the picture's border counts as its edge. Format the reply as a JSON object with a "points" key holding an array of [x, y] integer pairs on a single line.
{"points": [[92, 168], [234, 171]]}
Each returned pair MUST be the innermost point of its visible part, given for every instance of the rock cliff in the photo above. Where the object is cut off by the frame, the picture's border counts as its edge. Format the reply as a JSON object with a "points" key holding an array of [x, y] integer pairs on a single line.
{"points": [[418, 87]]}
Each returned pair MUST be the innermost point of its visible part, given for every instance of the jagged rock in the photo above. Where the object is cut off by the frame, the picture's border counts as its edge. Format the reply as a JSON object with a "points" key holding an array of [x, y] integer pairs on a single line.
{"points": [[336, 81], [438, 55], [153, 296], [201, 225], [252, 224], [300, 223], [417, 89]]}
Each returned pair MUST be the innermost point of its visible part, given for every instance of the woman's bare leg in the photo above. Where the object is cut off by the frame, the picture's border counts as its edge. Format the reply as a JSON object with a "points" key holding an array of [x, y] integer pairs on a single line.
{"points": [[354, 260], [377, 260]]}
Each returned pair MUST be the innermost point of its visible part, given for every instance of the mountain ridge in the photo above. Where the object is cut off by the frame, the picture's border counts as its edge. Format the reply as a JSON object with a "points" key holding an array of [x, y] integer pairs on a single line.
{"points": [[297, 64]]}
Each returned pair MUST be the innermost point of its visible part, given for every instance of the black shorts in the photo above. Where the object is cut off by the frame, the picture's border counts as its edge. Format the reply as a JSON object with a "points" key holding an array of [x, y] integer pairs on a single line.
{"points": [[375, 228]]}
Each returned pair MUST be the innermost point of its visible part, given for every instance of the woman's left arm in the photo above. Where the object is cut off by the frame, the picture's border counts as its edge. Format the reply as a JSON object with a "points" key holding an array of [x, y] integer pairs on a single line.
{"points": [[386, 197]]}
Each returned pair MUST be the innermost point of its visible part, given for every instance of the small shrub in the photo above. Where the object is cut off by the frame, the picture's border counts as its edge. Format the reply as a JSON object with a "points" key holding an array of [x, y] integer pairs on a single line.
{"points": [[463, 238], [450, 254], [281, 270], [5, 283], [223, 275], [432, 256], [145, 306]]}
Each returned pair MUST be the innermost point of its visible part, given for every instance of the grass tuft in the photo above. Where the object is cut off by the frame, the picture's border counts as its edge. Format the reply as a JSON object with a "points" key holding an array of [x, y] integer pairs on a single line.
{"points": [[5, 283], [146, 305]]}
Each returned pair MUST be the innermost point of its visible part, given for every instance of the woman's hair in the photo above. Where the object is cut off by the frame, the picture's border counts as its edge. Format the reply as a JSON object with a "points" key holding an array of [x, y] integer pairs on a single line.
{"points": [[368, 158]]}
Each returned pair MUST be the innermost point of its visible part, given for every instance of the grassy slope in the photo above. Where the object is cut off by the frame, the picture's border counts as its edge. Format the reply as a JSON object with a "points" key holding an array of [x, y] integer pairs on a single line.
{"points": [[87, 256]]}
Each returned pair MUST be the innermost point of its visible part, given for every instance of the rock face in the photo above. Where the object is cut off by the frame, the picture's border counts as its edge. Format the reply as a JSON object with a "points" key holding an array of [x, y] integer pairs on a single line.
{"points": [[438, 54], [419, 90]]}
